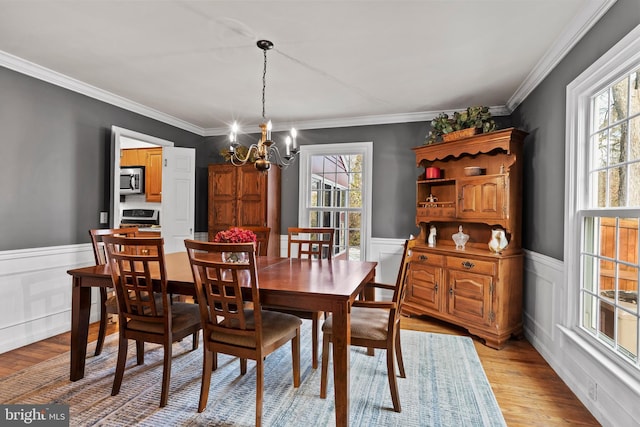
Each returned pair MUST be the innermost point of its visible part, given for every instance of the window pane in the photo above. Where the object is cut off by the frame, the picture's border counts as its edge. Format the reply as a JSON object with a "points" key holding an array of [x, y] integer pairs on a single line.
{"points": [[634, 102], [617, 187], [634, 139], [619, 96], [589, 274], [601, 110], [627, 284], [617, 144], [607, 322], [588, 312], [355, 199], [313, 218], [628, 240], [600, 152], [602, 189], [628, 334], [634, 189]]}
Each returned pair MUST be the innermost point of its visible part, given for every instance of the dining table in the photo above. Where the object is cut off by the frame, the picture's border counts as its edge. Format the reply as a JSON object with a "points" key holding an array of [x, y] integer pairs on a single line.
{"points": [[312, 285]]}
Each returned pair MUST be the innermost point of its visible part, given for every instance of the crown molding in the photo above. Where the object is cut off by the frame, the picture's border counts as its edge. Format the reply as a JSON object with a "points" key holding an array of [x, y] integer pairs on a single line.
{"points": [[41, 73], [422, 116], [579, 26]]}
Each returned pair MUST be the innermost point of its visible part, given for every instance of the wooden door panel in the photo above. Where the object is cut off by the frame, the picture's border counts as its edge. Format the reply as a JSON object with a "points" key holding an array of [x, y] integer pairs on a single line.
{"points": [[424, 285], [469, 295], [482, 197]]}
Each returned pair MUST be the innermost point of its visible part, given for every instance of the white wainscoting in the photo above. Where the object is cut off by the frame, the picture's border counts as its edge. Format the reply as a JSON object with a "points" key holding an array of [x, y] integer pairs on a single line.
{"points": [[580, 365], [35, 292]]}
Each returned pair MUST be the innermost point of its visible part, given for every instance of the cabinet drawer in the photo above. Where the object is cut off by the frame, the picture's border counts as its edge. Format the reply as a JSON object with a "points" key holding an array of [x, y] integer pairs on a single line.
{"points": [[438, 212], [470, 264], [427, 258]]}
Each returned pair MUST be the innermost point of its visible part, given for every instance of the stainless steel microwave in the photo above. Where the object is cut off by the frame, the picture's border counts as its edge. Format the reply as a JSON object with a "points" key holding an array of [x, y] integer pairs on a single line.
{"points": [[132, 180]]}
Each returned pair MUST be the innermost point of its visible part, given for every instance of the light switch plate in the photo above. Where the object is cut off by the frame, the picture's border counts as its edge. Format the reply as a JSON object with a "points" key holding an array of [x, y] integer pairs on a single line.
{"points": [[104, 217]]}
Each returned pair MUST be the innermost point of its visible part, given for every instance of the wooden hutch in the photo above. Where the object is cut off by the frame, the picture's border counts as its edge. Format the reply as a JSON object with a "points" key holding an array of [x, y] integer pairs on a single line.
{"points": [[243, 196], [471, 287]]}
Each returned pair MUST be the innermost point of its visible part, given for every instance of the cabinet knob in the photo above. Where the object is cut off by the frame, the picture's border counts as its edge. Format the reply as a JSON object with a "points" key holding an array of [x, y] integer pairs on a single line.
{"points": [[435, 288], [451, 291], [468, 265], [423, 257]]}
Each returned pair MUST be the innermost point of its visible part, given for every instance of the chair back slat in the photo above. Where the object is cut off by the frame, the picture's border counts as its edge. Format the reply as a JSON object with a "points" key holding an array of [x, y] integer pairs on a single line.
{"points": [[310, 242], [99, 253], [221, 284], [135, 263]]}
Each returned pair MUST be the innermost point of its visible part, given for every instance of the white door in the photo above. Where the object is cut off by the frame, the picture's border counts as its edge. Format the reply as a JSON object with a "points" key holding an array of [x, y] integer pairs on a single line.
{"points": [[178, 196]]}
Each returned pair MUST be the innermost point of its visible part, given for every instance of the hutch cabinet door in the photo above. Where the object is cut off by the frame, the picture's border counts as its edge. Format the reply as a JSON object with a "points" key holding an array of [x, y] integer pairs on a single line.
{"points": [[482, 197], [222, 198], [424, 286], [470, 296], [252, 207]]}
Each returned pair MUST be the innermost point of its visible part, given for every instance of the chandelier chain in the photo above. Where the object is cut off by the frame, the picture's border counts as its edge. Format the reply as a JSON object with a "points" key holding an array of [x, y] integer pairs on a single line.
{"points": [[264, 83]]}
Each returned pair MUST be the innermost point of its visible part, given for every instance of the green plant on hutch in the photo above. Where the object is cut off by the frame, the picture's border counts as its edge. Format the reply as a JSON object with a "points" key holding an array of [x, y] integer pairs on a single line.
{"points": [[476, 119]]}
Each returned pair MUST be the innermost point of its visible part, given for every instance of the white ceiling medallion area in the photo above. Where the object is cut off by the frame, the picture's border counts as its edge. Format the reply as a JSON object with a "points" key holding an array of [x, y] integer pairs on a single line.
{"points": [[587, 13]]}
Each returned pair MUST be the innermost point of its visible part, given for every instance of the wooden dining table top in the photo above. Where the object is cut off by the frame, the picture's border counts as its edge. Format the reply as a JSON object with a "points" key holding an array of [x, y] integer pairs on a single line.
{"points": [[283, 275]]}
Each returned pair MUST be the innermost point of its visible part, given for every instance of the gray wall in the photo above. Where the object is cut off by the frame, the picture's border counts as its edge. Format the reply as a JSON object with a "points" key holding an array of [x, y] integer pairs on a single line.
{"points": [[543, 114], [55, 153], [54, 157], [393, 169]]}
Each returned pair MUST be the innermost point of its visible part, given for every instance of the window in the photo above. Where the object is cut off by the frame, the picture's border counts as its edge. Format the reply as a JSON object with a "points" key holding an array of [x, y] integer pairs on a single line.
{"points": [[603, 212], [334, 192]]}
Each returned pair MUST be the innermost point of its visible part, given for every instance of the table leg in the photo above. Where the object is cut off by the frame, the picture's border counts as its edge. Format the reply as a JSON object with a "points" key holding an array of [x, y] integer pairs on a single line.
{"points": [[80, 310], [341, 340]]}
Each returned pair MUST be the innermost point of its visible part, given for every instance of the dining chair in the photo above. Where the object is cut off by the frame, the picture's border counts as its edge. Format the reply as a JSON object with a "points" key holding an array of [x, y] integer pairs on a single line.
{"points": [[262, 235], [309, 243], [136, 264], [108, 303], [375, 324], [229, 325]]}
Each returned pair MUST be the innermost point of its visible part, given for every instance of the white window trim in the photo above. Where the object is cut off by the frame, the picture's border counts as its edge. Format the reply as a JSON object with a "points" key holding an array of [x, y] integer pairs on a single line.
{"points": [[620, 59], [364, 148]]}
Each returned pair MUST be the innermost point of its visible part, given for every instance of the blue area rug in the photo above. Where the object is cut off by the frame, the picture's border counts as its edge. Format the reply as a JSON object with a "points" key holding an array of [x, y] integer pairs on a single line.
{"points": [[445, 386]]}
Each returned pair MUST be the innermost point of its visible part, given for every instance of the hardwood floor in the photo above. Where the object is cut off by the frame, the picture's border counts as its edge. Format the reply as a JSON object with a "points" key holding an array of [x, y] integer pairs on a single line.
{"points": [[528, 391]]}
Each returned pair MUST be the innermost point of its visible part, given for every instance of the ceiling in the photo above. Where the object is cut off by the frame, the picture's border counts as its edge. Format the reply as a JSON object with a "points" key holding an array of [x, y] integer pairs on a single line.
{"points": [[195, 64]]}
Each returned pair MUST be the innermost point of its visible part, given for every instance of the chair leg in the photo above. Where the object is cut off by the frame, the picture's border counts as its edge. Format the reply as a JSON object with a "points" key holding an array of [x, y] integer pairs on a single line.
{"points": [[103, 321], [123, 344], [243, 366], [399, 355], [206, 378], [196, 340], [140, 352], [259, 388], [326, 338], [393, 383], [315, 325], [166, 372], [295, 358]]}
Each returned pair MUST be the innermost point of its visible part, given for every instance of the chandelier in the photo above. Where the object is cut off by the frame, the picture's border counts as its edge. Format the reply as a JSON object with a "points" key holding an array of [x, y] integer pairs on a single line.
{"points": [[264, 152]]}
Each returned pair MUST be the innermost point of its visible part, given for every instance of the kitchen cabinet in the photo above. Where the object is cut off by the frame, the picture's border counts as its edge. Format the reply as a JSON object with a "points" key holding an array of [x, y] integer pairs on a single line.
{"points": [[243, 196], [151, 159], [472, 287], [153, 174]]}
